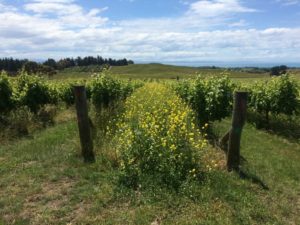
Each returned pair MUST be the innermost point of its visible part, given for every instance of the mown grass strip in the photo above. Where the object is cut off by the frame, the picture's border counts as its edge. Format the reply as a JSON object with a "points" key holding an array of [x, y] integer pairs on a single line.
{"points": [[275, 161]]}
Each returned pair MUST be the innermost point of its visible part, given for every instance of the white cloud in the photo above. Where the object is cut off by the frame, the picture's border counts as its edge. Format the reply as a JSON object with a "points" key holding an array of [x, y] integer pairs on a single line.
{"points": [[241, 23], [54, 31], [213, 8], [68, 13], [59, 8], [289, 2]]}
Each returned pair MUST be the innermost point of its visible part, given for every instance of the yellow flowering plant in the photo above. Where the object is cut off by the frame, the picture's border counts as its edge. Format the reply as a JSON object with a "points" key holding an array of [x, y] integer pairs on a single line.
{"points": [[157, 136]]}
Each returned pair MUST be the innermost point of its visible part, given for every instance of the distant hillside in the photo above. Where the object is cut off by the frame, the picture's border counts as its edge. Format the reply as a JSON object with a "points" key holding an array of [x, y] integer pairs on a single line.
{"points": [[155, 70], [162, 71]]}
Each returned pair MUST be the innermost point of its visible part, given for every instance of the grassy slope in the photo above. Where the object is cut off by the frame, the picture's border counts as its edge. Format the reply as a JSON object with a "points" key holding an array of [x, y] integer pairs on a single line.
{"points": [[161, 71], [158, 71], [154, 71], [171, 72], [43, 181]]}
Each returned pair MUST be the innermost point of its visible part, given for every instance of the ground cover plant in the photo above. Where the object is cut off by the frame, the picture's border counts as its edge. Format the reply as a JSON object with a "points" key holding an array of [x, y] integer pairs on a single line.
{"points": [[157, 136]]}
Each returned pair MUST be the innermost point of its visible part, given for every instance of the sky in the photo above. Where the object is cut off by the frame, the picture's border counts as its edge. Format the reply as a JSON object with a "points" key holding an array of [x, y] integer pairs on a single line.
{"points": [[164, 31]]}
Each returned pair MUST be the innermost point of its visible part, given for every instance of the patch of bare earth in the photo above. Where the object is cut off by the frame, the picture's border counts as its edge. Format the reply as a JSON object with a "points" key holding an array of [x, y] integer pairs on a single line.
{"points": [[78, 213], [48, 204], [214, 159], [28, 164]]}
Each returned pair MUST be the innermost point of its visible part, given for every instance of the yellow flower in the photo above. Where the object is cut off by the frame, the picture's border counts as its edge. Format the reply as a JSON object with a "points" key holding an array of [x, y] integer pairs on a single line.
{"points": [[155, 120], [172, 147]]}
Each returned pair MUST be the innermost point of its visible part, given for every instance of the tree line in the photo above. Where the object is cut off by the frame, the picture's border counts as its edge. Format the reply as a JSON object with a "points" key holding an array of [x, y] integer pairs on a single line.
{"points": [[49, 66]]}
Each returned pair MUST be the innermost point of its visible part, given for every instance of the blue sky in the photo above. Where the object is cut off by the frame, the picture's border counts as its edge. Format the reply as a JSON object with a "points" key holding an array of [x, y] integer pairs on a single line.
{"points": [[153, 30]]}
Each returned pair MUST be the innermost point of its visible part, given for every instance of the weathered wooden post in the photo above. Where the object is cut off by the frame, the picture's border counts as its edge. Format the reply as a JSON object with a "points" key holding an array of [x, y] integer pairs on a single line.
{"points": [[238, 121], [83, 124]]}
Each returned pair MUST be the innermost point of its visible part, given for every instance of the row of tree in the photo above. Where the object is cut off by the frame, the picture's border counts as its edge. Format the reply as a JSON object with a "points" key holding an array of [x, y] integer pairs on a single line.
{"points": [[278, 70], [14, 65], [86, 61]]}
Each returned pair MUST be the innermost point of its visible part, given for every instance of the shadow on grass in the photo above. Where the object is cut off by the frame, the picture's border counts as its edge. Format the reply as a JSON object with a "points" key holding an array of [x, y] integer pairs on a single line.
{"points": [[245, 171], [246, 175], [282, 125]]}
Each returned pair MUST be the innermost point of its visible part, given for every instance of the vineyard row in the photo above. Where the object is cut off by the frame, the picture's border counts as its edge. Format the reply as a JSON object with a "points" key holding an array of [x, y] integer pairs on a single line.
{"points": [[211, 98]]}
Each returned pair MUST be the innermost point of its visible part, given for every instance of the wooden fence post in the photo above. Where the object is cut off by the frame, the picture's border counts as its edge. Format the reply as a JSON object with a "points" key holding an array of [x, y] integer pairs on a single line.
{"points": [[238, 121], [83, 124]]}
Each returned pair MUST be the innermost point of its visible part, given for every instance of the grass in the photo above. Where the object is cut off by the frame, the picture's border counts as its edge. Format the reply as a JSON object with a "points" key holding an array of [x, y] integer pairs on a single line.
{"points": [[44, 181], [161, 71], [158, 71], [275, 161], [285, 126], [154, 71], [166, 72]]}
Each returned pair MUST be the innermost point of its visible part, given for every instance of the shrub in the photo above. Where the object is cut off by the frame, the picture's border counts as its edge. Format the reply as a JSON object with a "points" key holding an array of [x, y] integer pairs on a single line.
{"points": [[279, 95], [106, 90], [19, 121], [211, 98], [46, 115], [157, 138], [66, 93], [32, 91], [183, 89], [6, 102]]}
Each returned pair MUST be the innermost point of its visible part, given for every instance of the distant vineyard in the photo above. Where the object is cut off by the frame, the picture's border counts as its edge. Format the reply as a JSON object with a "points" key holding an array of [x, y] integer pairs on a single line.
{"points": [[211, 98]]}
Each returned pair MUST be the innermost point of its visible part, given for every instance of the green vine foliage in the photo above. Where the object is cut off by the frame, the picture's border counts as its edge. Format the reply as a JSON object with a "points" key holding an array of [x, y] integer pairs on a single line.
{"points": [[6, 92], [277, 96], [32, 91], [65, 93], [105, 90], [211, 98]]}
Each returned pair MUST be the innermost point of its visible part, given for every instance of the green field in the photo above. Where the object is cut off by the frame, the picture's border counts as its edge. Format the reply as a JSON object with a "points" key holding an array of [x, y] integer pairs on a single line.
{"points": [[158, 71], [161, 71], [167, 72]]}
